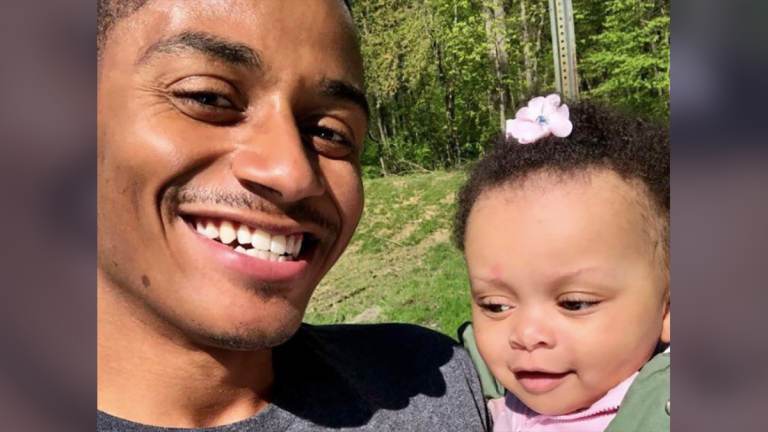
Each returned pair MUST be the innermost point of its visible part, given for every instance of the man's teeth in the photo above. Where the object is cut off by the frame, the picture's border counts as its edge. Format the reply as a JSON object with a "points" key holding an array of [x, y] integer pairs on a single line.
{"points": [[252, 241], [211, 231], [243, 235], [227, 232], [261, 239], [278, 244]]}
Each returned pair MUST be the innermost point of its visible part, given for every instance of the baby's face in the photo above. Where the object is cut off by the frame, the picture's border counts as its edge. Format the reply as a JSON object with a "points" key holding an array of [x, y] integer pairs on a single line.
{"points": [[568, 288]]}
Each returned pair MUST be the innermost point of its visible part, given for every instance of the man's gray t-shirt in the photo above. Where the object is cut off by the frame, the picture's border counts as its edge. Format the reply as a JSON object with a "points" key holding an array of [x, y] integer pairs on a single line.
{"points": [[379, 377]]}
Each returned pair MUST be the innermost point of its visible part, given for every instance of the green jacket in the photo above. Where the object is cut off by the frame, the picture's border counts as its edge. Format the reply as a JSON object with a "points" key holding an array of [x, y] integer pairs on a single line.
{"points": [[645, 407]]}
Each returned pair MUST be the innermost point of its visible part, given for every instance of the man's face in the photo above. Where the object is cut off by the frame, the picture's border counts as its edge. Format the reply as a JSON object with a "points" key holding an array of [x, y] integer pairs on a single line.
{"points": [[567, 285], [222, 119]]}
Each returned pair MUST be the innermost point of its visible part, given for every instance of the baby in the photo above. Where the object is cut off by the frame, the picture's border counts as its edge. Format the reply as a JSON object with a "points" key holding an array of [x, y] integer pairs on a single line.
{"points": [[565, 229]]}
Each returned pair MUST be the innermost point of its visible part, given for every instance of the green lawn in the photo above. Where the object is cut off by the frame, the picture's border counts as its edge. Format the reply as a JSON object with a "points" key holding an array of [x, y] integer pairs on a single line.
{"points": [[400, 266]]}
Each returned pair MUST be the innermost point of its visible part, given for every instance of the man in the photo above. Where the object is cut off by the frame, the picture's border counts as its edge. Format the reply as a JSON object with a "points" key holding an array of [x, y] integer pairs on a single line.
{"points": [[229, 136]]}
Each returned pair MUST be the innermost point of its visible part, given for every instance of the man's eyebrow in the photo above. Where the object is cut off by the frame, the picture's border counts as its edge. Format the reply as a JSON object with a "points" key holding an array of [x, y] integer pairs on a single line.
{"points": [[343, 90], [234, 53]]}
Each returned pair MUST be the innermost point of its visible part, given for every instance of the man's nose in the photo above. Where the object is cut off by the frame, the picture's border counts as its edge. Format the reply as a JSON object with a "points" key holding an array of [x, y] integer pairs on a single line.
{"points": [[274, 160], [532, 330]]}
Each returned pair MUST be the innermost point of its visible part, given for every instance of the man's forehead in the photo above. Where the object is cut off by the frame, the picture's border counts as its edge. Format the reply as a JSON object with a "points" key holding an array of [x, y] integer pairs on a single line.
{"points": [[245, 22], [111, 12], [247, 10]]}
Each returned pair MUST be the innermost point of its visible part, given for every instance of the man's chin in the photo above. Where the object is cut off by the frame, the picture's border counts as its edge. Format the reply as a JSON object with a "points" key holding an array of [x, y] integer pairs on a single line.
{"points": [[251, 339]]}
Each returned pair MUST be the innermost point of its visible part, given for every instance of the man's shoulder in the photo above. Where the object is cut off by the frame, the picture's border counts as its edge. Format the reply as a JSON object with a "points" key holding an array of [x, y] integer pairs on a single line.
{"points": [[399, 348], [394, 375], [377, 336], [379, 330]]}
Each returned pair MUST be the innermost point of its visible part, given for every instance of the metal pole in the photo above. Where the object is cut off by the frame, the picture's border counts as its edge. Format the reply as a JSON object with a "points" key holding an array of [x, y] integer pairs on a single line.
{"points": [[564, 48]]}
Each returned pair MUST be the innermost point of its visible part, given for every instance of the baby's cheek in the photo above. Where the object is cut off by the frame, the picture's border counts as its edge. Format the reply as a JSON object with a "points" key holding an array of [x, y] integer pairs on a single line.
{"points": [[496, 353], [605, 364], [633, 343]]}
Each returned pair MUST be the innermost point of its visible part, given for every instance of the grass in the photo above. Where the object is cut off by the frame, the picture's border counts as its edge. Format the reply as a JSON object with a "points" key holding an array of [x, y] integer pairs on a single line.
{"points": [[400, 266]]}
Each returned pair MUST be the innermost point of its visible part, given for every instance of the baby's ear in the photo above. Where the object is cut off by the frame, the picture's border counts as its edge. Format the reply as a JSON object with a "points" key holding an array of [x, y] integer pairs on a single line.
{"points": [[665, 326]]}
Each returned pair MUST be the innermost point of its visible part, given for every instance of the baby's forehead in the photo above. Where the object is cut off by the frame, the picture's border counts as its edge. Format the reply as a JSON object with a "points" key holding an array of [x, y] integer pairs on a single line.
{"points": [[601, 183], [596, 188], [567, 223]]}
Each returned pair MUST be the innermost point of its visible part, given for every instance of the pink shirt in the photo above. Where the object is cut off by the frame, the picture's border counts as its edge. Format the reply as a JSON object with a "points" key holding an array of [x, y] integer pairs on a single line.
{"points": [[511, 415]]}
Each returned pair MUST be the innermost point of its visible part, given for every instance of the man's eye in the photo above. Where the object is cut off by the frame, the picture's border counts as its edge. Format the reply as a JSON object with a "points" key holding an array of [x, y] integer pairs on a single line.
{"points": [[328, 142], [208, 99], [207, 106], [577, 305], [329, 134]]}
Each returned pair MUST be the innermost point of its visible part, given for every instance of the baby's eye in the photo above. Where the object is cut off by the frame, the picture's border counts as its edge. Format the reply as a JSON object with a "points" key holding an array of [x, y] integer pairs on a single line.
{"points": [[577, 305], [495, 308]]}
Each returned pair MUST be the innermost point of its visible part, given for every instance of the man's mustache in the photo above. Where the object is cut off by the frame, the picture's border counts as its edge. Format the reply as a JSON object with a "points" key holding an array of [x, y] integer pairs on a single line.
{"points": [[301, 211]]}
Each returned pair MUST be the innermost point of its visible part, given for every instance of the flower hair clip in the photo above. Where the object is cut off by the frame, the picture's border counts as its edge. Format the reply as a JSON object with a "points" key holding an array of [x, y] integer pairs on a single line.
{"points": [[543, 116]]}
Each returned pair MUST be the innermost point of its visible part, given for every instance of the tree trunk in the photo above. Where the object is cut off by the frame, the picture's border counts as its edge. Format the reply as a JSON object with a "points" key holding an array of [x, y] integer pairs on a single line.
{"points": [[528, 56], [449, 104], [382, 130], [496, 30]]}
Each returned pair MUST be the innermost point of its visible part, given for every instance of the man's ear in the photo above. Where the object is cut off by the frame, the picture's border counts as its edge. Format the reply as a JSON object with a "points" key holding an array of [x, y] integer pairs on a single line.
{"points": [[665, 325]]}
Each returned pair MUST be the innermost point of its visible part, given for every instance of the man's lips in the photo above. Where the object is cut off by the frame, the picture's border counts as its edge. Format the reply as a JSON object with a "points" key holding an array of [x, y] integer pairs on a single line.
{"points": [[538, 382], [274, 225], [286, 259]]}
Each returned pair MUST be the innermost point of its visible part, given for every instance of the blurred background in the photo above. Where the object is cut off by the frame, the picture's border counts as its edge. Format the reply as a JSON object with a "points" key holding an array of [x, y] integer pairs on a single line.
{"points": [[48, 178], [719, 209]]}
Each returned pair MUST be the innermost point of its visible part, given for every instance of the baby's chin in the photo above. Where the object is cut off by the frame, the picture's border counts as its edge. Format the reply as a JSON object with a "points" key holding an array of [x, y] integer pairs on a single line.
{"points": [[552, 405]]}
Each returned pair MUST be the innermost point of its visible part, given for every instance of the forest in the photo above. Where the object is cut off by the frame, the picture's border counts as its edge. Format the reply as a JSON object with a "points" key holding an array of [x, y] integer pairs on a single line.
{"points": [[443, 75]]}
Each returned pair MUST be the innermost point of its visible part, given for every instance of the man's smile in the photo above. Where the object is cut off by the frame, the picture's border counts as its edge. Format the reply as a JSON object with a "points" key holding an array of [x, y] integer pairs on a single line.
{"points": [[251, 241], [266, 251]]}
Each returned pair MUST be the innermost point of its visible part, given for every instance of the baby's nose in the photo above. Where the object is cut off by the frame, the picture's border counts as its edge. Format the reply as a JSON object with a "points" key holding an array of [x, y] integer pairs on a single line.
{"points": [[532, 330]]}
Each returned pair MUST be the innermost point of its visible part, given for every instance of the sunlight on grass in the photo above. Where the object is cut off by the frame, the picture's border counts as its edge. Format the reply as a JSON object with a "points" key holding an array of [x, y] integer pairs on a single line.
{"points": [[400, 265]]}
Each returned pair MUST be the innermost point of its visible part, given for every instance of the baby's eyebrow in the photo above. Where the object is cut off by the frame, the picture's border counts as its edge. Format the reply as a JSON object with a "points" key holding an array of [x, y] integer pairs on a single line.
{"points": [[592, 275], [489, 280], [569, 275]]}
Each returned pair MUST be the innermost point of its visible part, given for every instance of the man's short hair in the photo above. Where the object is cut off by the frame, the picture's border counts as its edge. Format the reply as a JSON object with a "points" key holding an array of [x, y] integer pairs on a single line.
{"points": [[109, 12]]}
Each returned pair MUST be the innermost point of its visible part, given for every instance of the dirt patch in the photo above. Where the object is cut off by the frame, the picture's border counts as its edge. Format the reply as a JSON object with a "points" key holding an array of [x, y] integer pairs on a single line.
{"points": [[413, 200], [367, 316], [405, 232]]}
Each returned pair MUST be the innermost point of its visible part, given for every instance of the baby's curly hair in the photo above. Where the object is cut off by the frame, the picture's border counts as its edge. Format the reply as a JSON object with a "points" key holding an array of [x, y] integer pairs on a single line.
{"points": [[602, 138]]}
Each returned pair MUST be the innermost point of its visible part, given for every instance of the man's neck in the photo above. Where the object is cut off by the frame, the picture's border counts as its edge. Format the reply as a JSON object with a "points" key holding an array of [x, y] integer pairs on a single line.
{"points": [[150, 374]]}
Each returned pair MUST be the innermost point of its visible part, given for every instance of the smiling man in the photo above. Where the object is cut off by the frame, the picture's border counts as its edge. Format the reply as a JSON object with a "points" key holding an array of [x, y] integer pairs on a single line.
{"points": [[229, 136]]}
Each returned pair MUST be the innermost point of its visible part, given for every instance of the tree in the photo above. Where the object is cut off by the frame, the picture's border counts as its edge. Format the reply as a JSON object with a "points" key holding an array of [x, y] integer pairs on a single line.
{"points": [[627, 63], [442, 76]]}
